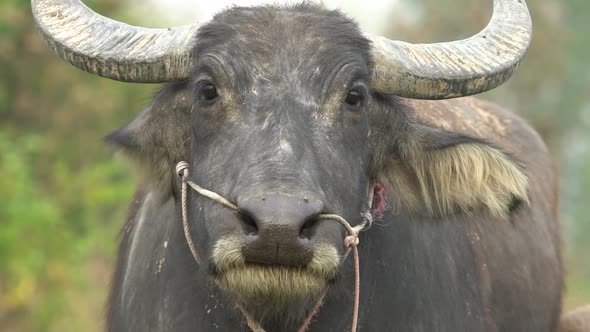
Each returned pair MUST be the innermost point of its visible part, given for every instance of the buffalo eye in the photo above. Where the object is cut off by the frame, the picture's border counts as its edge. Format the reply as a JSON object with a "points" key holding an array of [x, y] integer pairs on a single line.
{"points": [[354, 98], [209, 92]]}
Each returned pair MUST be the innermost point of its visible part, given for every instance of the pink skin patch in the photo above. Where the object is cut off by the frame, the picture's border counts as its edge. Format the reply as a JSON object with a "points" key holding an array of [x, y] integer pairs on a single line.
{"points": [[380, 196]]}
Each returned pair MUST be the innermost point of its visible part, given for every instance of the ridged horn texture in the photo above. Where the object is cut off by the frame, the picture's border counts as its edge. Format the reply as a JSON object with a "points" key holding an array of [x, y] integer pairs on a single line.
{"points": [[459, 68], [123, 52], [112, 49]]}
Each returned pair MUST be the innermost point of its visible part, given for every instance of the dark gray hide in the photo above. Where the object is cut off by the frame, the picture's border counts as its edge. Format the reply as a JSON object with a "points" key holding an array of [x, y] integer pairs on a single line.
{"points": [[283, 123]]}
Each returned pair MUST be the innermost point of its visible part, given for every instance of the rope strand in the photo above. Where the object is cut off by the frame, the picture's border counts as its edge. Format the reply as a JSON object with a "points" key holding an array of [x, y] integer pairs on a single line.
{"points": [[312, 313], [357, 289], [351, 242], [182, 171]]}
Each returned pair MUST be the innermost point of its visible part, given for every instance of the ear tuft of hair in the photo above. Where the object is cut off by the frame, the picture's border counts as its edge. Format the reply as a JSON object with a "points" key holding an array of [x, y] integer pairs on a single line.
{"points": [[462, 178]]}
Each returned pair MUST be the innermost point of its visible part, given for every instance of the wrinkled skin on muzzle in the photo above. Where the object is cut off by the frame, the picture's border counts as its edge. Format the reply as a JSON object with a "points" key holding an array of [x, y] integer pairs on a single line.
{"points": [[281, 131]]}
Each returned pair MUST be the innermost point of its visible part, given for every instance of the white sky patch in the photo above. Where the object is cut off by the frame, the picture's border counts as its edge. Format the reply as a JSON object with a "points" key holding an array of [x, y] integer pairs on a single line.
{"points": [[372, 17]]}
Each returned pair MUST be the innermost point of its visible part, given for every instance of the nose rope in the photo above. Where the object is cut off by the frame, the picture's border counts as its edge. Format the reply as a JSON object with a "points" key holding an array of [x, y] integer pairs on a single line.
{"points": [[351, 242]]}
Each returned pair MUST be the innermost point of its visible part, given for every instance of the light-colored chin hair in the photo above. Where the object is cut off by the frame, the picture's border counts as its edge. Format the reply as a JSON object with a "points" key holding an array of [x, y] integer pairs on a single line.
{"points": [[273, 284]]}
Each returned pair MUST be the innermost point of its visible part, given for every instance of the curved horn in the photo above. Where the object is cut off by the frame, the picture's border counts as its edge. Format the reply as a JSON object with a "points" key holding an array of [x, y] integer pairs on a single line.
{"points": [[112, 49], [459, 68]]}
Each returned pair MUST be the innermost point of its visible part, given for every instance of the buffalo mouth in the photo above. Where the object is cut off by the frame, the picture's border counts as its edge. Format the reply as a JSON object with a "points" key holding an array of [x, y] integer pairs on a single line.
{"points": [[273, 284]]}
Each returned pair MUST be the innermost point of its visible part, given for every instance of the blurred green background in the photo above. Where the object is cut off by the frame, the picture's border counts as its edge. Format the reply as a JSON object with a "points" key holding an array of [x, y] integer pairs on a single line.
{"points": [[63, 196]]}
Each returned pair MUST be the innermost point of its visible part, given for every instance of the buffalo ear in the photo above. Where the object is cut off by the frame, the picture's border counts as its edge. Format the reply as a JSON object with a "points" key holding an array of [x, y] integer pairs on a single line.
{"points": [[439, 173], [158, 137]]}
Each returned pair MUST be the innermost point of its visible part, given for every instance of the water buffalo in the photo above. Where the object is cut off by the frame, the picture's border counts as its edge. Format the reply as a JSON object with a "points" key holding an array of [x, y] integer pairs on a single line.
{"points": [[292, 113]]}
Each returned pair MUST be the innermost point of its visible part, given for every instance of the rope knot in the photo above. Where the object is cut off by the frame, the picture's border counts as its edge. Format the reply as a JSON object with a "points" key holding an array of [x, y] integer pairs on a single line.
{"points": [[181, 169], [351, 241]]}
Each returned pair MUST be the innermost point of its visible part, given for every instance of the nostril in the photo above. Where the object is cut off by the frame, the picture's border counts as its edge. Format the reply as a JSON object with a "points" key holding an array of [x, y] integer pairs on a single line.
{"points": [[248, 223], [308, 229]]}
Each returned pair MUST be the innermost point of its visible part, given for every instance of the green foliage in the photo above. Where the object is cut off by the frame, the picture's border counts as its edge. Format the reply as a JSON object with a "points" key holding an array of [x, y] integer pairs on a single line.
{"points": [[31, 259], [63, 195], [51, 226]]}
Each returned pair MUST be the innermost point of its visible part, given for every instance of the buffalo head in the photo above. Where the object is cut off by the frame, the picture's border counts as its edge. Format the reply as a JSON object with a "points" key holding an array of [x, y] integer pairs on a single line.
{"points": [[292, 112]]}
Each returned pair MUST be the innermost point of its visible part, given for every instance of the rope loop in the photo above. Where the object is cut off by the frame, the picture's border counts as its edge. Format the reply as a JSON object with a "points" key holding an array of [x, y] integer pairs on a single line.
{"points": [[181, 167], [367, 220]]}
